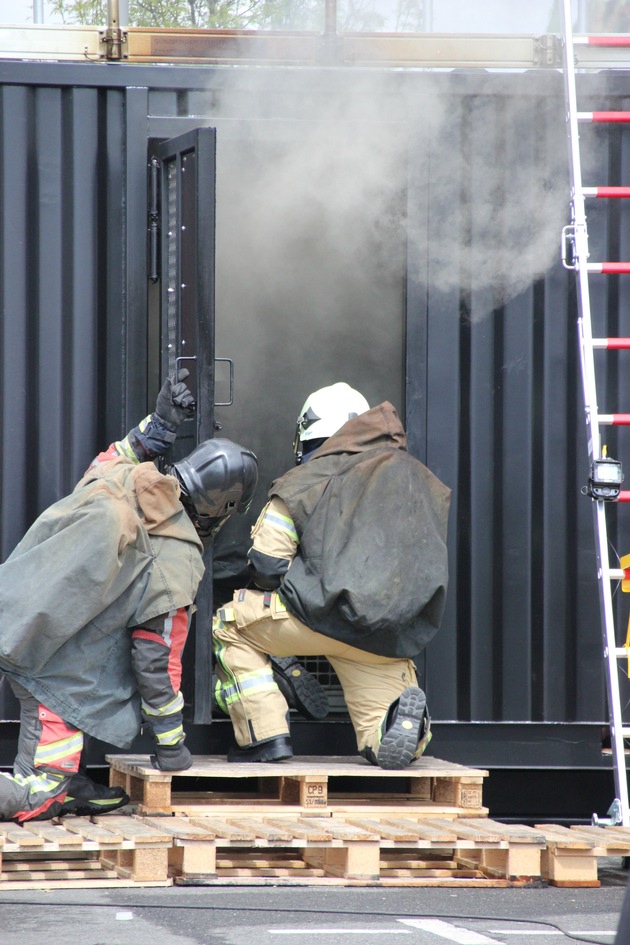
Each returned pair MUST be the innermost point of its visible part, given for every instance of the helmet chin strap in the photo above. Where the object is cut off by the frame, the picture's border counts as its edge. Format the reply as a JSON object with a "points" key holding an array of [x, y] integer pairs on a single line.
{"points": [[309, 447]]}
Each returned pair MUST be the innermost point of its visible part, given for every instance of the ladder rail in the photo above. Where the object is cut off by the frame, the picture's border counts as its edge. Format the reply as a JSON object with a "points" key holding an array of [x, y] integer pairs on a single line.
{"points": [[579, 235]]}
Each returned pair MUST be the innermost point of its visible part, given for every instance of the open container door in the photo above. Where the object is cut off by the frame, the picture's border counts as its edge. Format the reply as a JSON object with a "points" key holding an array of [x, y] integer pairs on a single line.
{"points": [[182, 227]]}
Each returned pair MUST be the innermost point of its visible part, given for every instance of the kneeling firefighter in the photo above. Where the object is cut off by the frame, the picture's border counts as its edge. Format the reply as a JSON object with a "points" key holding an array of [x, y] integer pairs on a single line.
{"points": [[349, 562], [96, 601]]}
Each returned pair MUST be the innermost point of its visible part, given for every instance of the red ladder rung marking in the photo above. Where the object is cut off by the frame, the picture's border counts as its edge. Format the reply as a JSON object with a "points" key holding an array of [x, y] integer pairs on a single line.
{"points": [[614, 419], [609, 268], [618, 39], [606, 191], [604, 116], [617, 344]]}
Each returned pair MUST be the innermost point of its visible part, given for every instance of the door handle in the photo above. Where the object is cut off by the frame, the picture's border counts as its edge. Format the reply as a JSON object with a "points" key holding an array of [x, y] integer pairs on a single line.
{"points": [[229, 402]]}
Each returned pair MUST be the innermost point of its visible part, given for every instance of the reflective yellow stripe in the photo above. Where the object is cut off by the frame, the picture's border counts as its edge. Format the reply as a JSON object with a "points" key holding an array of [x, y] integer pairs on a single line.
{"points": [[175, 705], [258, 681], [36, 783], [171, 737], [45, 754], [282, 522], [123, 446]]}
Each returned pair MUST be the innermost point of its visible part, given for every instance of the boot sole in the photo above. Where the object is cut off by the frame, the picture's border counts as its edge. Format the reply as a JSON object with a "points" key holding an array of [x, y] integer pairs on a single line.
{"points": [[269, 753], [307, 695], [400, 742], [86, 808]]}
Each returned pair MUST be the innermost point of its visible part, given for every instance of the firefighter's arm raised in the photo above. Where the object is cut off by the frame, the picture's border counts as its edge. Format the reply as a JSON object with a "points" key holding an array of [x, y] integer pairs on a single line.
{"points": [[154, 435], [275, 544]]}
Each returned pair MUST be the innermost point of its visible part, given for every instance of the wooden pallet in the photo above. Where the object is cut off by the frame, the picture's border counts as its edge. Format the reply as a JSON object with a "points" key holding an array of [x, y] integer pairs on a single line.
{"points": [[571, 854], [295, 846], [78, 852], [427, 786], [306, 849]]}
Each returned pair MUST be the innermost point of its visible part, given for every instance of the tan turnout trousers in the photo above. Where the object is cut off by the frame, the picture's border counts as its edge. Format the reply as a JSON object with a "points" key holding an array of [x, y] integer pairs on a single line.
{"points": [[257, 624]]}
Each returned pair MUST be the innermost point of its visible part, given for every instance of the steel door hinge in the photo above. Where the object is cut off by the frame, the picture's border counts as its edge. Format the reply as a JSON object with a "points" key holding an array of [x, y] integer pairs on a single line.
{"points": [[548, 51], [115, 43], [154, 219]]}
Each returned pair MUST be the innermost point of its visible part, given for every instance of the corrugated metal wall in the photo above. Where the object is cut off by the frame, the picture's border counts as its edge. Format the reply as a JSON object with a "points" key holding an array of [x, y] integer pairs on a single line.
{"points": [[453, 300], [64, 312]]}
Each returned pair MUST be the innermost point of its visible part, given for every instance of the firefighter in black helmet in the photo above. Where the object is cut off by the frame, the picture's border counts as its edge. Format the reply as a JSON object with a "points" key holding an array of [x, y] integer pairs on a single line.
{"points": [[96, 601]]}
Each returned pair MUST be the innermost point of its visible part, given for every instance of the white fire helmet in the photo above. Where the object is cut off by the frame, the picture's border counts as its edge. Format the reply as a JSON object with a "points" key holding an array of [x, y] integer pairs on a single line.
{"points": [[324, 412]]}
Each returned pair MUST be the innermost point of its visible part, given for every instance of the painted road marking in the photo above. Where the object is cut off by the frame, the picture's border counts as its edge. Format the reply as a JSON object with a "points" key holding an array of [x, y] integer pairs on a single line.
{"points": [[551, 932], [339, 931], [453, 933]]}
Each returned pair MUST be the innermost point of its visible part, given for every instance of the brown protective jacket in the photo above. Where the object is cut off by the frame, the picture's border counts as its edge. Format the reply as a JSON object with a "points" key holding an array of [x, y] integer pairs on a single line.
{"points": [[371, 568], [115, 553]]}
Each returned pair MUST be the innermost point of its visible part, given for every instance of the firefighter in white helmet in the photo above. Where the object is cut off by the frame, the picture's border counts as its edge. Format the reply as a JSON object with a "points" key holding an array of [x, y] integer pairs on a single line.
{"points": [[349, 562]]}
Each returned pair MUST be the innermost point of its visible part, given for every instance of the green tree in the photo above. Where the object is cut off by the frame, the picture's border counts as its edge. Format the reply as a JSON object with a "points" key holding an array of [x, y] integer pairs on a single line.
{"points": [[199, 14], [352, 15]]}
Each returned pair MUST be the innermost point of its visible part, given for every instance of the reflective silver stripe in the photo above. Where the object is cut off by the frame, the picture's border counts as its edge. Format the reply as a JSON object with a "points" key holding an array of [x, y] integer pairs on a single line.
{"points": [[282, 523], [175, 705], [44, 754], [171, 737], [260, 680], [36, 783], [167, 632]]}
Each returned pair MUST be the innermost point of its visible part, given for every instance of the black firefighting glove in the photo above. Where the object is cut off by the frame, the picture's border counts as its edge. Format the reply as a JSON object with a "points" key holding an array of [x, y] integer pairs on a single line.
{"points": [[156, 433], [175, 402], [171, 757]]}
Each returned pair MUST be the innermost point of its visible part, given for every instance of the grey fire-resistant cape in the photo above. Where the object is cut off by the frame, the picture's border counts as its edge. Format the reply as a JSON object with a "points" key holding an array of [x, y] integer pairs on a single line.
{"points": [[371, 568], [119, 550]]}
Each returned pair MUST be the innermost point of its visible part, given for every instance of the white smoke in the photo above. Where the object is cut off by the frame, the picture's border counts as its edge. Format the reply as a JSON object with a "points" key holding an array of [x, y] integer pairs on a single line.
{"points": [[328, 196]]}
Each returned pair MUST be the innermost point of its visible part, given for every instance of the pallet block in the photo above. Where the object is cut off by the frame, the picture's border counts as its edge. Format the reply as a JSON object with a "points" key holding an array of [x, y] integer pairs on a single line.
{"points": [[77, 851], [569, 859], [571, 853], [428, 785]]}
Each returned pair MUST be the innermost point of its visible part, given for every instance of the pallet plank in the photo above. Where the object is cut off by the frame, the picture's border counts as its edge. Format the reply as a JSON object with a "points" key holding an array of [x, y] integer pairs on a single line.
{"points": [[343, 831], [181, 828], [261, 829], [608, 838], [14, 866], [558, 836], [223, 830], [53, 833], [425, 831], [19, 837], [515, 833], [32, 876], [478, 834], [93, 832], [133, 829], [385, 831], [303, 829]]}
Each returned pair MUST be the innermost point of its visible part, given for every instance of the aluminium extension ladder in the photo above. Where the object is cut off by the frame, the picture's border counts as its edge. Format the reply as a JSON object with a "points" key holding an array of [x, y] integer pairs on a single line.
{"points": [[605, 486]]}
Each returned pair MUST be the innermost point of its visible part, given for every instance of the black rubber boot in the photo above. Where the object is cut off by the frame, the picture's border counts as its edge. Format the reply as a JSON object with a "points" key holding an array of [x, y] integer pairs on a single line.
{"points": [[274, 749], [407, 723], [86, 797], [299, 687]]}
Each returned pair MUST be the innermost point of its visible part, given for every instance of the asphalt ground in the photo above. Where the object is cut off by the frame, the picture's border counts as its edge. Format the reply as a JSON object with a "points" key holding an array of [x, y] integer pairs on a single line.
{"points": [[281, 915]]}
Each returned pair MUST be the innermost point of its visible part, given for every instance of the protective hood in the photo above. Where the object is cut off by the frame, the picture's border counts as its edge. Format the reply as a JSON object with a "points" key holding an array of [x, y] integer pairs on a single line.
{"points": [[157, 496], [377, 427], [371, 568]]}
